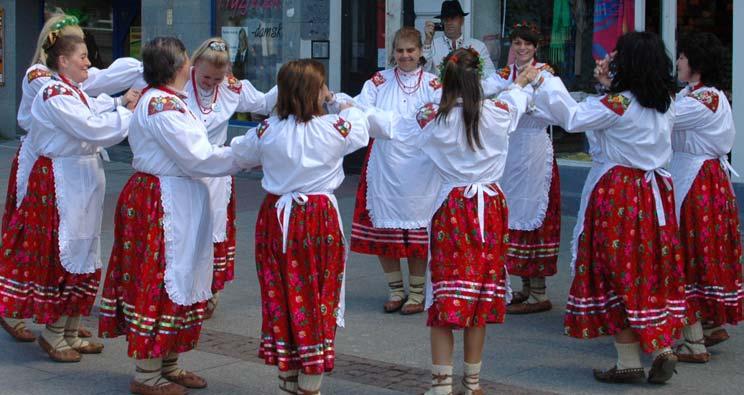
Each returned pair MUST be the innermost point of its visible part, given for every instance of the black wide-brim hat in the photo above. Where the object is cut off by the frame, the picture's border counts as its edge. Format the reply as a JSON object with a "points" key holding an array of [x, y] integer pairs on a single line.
{"points": [[451, 8]]}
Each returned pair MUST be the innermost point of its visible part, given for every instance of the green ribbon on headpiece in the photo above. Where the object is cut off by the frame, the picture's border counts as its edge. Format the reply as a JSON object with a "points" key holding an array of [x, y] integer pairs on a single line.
{"points": [[69, 20]]}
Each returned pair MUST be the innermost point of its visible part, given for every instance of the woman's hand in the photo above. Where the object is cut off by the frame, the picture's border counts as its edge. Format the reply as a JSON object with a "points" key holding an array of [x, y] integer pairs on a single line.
{"points": [[602, 72], [527, 75], [130, 99]]}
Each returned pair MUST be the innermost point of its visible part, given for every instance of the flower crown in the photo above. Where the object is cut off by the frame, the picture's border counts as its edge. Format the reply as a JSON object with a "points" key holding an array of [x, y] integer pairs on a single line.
{"points": [[69, 20], [527, 25], [452, 58], [218, 46]]}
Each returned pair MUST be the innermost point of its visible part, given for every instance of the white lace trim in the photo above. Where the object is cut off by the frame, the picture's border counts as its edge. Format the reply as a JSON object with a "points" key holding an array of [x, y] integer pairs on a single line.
{"points": [[396, 224], [24, 169], [370, 165], [62, 231], [166, 200], [542, 208]]}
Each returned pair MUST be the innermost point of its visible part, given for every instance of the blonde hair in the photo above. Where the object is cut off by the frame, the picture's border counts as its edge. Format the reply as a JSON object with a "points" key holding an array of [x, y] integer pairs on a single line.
{"points": [[213, 51], [406, 33], [58, 25]]}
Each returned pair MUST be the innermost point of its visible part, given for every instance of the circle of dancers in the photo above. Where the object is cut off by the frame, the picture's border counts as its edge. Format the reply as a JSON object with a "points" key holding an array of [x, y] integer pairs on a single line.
{"points": [[459, 179]]}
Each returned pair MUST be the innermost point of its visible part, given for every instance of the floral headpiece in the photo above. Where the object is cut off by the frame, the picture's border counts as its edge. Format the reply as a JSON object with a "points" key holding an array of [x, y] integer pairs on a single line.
{"points": [[452, 58], [69, 20], [218, 46], [527, 25]]}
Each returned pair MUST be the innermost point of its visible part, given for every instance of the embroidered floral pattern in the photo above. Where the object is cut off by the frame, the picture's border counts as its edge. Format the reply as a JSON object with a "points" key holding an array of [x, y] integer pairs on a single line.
{"points": [[435, 84], [234, 84], [262, 128], [33, 282], [548, 68], [616, 102], [38, 73], [504, 72], [378, 79], [500, 104], [57, 89], [708, 98], [709, 229], [468, 275], [160, 104], [629, 270], [426, 114], [135, 302], [300, 289], [343, 126]]}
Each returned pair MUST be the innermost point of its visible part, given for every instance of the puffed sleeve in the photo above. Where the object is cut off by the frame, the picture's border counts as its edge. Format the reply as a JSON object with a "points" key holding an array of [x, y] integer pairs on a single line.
{"points": [[494, 84], [353, 123], [690, 114], [188, 146], [102, 103], [405, 129], [71, 116], [555, 105], [246, 148], [428, 54], [252, 100], [516, 99], [368, 95], [120, 76]]}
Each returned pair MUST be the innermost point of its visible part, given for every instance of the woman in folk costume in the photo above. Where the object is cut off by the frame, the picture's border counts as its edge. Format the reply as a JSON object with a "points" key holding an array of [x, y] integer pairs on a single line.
{"points": [[706, 206], [300, 247], [159, 276], [466, 137], [627, 260], [532, 187], [122, 74], [50, 266], [214, 95], [389, 220]]}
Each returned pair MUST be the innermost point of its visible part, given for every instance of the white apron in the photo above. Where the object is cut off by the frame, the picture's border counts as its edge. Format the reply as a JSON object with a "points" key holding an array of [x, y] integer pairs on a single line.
{"points": [[284, 211], [26, 160], [528, 173], [188, 239], [80, 188], [220, 190]]}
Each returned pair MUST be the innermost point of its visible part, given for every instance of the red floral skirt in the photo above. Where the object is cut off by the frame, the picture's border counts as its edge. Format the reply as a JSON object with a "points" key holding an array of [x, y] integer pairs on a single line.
{"points": [[629, 270], [534, 253], [709, 229], [385, 242], [33, 282], [224, 252], [300, 289], [468, 276], [10, 197], [135, 302]]}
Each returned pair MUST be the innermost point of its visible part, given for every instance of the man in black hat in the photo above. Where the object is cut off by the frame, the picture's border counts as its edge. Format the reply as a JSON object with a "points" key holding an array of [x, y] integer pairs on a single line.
{"points": [[452, 18]]}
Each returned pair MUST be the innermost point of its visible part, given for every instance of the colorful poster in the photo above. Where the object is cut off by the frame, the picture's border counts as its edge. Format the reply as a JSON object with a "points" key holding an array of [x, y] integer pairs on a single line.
{"points": [[612, 19]]}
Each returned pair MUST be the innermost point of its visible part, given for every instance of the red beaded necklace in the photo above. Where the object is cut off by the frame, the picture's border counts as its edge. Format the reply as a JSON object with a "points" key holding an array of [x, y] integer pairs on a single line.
{"points": [[409, 89], [210, 108]]}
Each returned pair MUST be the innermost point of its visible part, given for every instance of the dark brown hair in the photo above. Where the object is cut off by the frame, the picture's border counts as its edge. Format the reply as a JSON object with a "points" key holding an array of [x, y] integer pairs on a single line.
{"points": [[62, 46], [162, 57], [299, 83], [461, 80]]}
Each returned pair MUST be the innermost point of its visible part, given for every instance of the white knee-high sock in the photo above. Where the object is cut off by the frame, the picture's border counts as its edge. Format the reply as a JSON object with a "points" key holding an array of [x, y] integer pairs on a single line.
{"points": [[149, 371], [538, 291], [310, 382], [471, 379], [54, 334], [395, 285], [694, 339], [170, 365], [288, 382], [628, 355]]}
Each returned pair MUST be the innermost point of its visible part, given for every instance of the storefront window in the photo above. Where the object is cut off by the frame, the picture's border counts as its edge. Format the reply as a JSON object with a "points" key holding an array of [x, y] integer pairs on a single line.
{"points": [[96, 19], [263, 34]]}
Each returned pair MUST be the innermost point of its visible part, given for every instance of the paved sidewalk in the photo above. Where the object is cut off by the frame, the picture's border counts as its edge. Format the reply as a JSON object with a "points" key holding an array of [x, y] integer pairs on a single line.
{"points": [[377, 353]]}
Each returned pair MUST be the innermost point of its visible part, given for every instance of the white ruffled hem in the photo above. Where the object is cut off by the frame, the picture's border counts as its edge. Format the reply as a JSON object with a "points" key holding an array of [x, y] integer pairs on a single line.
{"points": [[397, 224], [62, 231], [166, 200], [542, 207]]}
